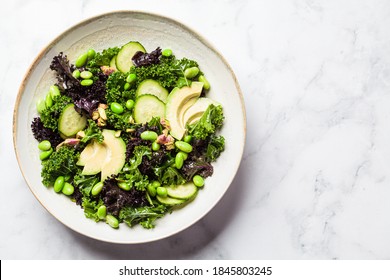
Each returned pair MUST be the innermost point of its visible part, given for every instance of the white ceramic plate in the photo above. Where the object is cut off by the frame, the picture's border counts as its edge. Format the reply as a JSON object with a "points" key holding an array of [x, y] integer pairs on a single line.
{"points": [[116, 29]]}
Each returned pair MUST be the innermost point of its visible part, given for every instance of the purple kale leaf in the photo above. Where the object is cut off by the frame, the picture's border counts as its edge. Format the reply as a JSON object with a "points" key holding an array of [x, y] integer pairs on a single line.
{"points": [[146, 59]]}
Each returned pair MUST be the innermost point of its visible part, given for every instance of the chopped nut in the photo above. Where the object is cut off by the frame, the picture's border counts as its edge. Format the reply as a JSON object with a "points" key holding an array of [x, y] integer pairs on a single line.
{"points": [[165, 123], [102, 113], [101, 122], [95, 115], [68, 142], [107, 70], [130, 130], [117, 133], [103, 106], [131, 120], [80, 134]]}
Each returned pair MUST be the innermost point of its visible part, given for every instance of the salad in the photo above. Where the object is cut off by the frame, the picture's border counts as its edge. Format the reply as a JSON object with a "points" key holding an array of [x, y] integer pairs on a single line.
{"points": [[128, 135]]}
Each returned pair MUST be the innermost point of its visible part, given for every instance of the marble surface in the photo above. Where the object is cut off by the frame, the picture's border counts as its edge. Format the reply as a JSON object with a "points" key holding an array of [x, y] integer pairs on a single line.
{"points": [[314, 182]]}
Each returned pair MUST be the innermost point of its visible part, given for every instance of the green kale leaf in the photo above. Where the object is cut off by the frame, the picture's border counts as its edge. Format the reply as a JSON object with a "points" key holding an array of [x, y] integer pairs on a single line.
{"points": [[49, 116], [103, 58], [85, 183], [172, 176], [211, 120], [92, 132], [91, 207], [215, 147], [60, 163], [145, 216]]}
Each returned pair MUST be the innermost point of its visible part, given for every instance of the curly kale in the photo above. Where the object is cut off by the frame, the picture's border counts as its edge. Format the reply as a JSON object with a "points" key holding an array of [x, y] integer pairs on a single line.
{"points": [[64, 69], [146, 59], [60, 163], [41, 132], [211, 120], [50, 115], [103, 58], [216, 145], [145, 216], [196, 167], [92, 132]]}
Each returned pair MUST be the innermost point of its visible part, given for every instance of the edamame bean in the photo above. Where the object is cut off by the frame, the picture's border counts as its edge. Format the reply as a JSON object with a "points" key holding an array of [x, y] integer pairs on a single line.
{"points": [[191, 72], [130, 104], [149, 135], [68, 189], [86, 75], [198, 181], [156, 184], [206, 84], [102, 212], [126, 86], [41, 106], [179, 160], [112, 221], [48, 101], [124, 186], [162, 191], [116, 108], [131, 78], [185, 155], [76, 73], [151, 190], [86, 82], [187, 138], [59, 184], [183, 146], [167, 52], [54, 91], [156, 146], [45, 154], [96, 189], [81, 60], [45, 145], [91, 54]]}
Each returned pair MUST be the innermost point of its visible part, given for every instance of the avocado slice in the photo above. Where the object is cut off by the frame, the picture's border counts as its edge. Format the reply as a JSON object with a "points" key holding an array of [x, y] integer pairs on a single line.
{"points": [[116, 154], [195, 112], [93, 164], [175, 102]]}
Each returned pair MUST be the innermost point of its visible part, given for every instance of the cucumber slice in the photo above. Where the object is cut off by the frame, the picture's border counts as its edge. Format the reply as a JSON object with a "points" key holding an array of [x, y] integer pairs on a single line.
{"points": [[146, 107], [126, 53], [184, 192], [70, 121], [169, 200], [152, 87], [113, 63]]}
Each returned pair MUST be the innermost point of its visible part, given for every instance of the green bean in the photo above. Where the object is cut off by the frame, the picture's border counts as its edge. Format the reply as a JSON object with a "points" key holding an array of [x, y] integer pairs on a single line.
{"points": [[185, 155], [45, 154], [91, 54], [126, 86], [156, 146], [41, 105], [131, 78], [97, 188], [130, 104], [76, 73], [68, 189], [124, 186], [86, 82], [167, 52], [102, 212], [48, 100], [206, 84], [116, 108], [81, 60], [45, 145], [59, 184], [187, 138], [151, 190], [198, 181], [86, 75], [179, 160], [54, 91], [162, 191], [191, 72], [112, 221], [149, 135], [183, 146]]}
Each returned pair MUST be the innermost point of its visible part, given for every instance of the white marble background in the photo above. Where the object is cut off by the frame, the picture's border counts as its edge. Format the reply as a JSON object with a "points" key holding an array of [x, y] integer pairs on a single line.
{"points": [[314, 182]]}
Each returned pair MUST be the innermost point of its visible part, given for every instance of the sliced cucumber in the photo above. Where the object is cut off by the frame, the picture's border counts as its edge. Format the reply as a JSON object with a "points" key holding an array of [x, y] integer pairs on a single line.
{"points": [[113, 63], [146, 107], [152, 87], [70, 121], [185, 191], [169, 200], [126, 53]]}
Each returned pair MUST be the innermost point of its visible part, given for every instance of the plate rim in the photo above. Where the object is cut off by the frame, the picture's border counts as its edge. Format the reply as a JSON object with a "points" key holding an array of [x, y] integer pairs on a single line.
{"points": [[88, 20]]}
